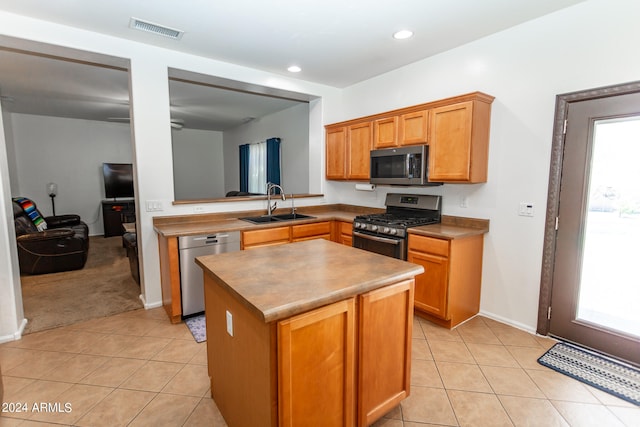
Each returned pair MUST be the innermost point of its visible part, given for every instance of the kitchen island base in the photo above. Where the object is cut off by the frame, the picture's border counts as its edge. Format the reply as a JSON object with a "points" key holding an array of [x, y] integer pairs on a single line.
{"points": [[343, 363]]}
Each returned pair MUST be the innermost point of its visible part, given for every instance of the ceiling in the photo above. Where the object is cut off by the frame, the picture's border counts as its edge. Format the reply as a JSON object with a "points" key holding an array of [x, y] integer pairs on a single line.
{"points": [[336, 43]]}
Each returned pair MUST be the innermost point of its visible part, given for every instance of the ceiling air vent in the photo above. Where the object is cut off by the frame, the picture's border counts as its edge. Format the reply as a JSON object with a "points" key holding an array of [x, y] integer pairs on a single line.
{"points": [[150, 27]]}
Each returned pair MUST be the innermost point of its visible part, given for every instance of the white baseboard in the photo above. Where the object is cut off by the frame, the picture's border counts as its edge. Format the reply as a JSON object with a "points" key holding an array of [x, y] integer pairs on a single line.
{"points": [[149, 306], [509, 322], [16, 335]]}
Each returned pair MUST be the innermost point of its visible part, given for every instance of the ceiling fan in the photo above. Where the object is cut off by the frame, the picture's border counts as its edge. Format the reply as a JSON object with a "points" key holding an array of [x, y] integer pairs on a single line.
{"points": [[175, 123]]}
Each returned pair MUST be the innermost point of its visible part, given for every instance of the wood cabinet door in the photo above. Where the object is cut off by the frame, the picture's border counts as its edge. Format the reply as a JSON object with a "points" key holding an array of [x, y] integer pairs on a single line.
{"points": [[266, 237], [336, 150], [450, 143], [432, 286], [342, 232], [385, 324], [359, 158], [316, 367], [385, 132], [316, 230], [413, 128]]}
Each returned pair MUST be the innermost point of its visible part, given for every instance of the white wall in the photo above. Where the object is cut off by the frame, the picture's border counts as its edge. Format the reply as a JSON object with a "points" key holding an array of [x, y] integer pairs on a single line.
{"points": [[69, 152], [586, 46], [292, 127], [198, 164]]}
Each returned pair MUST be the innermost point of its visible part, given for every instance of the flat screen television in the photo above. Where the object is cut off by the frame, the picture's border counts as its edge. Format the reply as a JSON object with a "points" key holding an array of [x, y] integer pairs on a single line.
{"points": [[118, 180]]}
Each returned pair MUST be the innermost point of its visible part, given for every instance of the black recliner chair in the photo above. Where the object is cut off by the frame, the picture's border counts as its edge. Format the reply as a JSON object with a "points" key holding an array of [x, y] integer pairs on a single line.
{"points": [[63, 246]]}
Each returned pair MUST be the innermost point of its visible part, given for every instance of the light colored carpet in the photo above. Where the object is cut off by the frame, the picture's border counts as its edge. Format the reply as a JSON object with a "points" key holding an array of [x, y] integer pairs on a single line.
{"points": [[102, 288]]}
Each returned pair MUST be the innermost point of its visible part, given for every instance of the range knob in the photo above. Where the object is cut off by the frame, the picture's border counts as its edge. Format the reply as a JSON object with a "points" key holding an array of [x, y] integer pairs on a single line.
{"points": [[386, 230], [393, 231], [374, 228]]}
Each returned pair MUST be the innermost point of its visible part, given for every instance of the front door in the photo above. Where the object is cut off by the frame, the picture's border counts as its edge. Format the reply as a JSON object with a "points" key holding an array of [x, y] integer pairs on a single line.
{"points": [[595, 298]]}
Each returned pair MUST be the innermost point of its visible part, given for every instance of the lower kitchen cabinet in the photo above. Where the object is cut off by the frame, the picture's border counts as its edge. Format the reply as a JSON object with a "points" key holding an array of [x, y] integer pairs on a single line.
{"points": [[344, 364], [384, 355], [448, 292], [315, 230], [266, 237], [343, 232], [316, 348]]}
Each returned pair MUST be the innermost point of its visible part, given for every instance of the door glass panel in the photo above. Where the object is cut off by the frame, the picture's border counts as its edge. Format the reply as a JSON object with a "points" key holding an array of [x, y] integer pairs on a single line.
{"points": [[610, 278]]}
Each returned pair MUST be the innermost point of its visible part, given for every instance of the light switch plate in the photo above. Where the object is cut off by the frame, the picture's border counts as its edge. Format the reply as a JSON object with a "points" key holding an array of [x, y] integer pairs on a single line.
{"points": [[154, 206]]}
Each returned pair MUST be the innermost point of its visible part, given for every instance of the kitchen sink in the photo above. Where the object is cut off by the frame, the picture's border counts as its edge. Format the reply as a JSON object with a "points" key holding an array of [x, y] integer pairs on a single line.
{"points": [[275, 218], [292, 216]]}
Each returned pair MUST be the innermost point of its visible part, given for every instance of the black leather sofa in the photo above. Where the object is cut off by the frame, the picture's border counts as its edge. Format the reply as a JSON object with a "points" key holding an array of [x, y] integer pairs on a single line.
{"points": [[63, 246]]}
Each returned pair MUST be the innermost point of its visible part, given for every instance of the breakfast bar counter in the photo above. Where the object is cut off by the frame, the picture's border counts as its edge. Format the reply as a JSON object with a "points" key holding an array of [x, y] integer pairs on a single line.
{"points": [[308, 333]]}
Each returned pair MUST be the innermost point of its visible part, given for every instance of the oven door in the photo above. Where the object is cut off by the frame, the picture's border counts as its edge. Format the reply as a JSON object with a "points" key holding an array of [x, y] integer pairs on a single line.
{"points": [[395, 247]]}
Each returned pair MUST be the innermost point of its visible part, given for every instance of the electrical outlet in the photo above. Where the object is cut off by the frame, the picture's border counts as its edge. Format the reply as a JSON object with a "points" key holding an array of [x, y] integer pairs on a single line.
{"points": [[464, 202], [154, 206], [526, 209], [229, 323], [198, 209]]}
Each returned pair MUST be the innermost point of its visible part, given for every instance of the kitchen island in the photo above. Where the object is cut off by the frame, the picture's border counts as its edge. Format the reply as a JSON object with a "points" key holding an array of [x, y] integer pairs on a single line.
{"points": [[308, 333]]}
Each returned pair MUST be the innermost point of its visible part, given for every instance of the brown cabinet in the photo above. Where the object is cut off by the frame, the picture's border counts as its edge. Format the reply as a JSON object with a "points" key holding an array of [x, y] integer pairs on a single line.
{"points": [[385, 132], [114, 214], [402, 129], [347, 151], [170, 277], [266, 237], [317, 347], [336, 152], [456, 130], [459, 142], [414, 128], [316, 230], [448, 292], [359, 147], [343, 232], [341, 364], [385, 322]]}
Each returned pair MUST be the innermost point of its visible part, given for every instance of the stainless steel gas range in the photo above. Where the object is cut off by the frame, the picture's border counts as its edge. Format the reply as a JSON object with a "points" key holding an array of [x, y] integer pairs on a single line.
{"points": [[386, 233]]}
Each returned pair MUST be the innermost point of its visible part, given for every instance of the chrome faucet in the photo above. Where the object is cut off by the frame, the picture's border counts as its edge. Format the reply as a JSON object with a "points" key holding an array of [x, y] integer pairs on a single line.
{"points": [[270, 187]]}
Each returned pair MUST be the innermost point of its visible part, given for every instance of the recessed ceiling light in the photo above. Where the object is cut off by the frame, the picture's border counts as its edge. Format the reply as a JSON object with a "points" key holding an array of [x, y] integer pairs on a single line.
{"points": [[294, 69], [403, 34]]}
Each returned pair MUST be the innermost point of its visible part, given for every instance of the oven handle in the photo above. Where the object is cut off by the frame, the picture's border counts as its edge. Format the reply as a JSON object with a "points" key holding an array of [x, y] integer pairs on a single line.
{"points": [[377, 238]]}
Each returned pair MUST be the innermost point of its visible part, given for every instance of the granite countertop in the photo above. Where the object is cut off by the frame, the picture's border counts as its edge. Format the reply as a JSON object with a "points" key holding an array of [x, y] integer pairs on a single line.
{"points": [[277, 282]]}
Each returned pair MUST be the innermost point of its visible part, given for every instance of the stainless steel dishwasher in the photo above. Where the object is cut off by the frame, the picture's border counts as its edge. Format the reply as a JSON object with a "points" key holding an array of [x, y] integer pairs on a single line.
{"points": [[191, 275]]}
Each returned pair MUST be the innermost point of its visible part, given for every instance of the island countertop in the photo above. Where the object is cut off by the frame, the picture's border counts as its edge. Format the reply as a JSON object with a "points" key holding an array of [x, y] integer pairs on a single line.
{"points": [[277, 282]]}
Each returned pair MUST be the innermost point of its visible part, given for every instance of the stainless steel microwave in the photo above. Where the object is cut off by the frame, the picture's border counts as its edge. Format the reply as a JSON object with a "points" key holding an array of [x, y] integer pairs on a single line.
{"points": [[401, 166]]}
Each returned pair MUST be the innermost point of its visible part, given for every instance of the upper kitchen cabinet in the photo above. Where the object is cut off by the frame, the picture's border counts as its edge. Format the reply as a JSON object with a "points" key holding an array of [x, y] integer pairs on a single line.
{"points": [[414, 128], [348, 150], [401, 129], [385, 132], [456, 130], [459, 141], [336, 146]]}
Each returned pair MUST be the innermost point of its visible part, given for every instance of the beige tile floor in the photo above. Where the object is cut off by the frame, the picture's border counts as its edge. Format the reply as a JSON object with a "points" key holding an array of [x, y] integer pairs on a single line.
{"points": [[136, 369]]}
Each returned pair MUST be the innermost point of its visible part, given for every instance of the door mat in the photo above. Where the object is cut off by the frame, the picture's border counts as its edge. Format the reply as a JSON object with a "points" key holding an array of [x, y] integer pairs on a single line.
{"points": [[197, 327], [591, 368]]}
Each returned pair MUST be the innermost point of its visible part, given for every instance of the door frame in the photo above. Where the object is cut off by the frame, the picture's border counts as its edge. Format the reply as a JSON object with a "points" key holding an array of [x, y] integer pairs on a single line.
{"points": [[553, 196]]}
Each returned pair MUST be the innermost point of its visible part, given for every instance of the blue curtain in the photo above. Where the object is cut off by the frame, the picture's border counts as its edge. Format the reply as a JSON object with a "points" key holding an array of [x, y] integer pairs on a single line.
{"points": [[273, 160], [244, 167]]}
